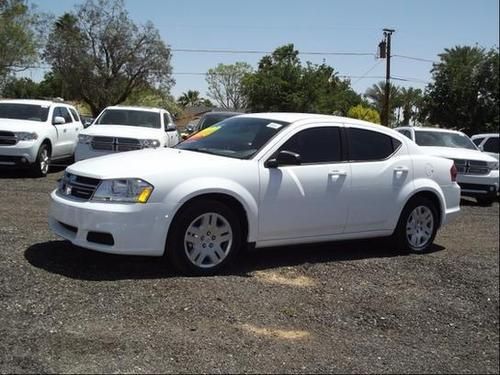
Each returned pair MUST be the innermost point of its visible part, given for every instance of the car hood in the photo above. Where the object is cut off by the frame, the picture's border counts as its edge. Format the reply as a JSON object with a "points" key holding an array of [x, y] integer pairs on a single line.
{"points": [[150, 164], [457, 153], [122, 131], [20, 125]]}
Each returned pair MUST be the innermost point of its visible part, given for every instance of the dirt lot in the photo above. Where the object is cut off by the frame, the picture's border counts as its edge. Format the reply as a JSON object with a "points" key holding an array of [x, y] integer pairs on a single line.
{"points": [[347, 307]]}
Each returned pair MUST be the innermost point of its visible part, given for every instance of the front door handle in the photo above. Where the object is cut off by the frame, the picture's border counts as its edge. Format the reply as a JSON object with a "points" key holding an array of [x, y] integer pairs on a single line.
{"points": [[401, 169], [337, 173]]}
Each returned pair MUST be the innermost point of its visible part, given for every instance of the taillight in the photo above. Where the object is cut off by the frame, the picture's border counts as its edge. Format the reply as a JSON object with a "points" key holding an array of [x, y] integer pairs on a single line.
{"points": [[453, 173]]}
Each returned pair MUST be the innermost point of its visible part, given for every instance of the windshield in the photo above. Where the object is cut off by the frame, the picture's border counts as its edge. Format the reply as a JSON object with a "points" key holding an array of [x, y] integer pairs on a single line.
{"points": [[30, 112], [212, 119], [129, 117], [443, 139], [236, 137]]}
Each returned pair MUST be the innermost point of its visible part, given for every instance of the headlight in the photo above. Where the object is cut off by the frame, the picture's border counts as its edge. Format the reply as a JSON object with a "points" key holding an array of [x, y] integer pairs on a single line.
{"points": [[132, 190], [149, 143], [85, 139], [493, 165], [26, 136]]}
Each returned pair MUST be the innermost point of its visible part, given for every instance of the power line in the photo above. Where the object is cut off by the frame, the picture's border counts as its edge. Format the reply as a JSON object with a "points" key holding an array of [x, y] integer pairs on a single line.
{"points": [[414, 58], [260, 52], [367, 72]]}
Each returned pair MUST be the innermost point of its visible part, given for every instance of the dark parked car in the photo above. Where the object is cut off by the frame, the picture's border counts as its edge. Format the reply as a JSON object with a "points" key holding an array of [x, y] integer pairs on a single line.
{"points": [[207, 120]]}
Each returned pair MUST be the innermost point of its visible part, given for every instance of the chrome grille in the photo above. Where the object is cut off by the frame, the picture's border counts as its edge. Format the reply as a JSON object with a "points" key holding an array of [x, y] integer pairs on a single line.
{"points": [[78, 186], [103, 143], [115, 144], [7, 138], [476, 167]]}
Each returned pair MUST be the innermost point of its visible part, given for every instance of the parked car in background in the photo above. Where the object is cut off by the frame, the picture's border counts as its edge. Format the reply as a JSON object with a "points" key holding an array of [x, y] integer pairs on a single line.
{"points": [[488, 143], [477, 171], [261, 179], [35, 132], [118, 129], [87, 121], [207, 120]]}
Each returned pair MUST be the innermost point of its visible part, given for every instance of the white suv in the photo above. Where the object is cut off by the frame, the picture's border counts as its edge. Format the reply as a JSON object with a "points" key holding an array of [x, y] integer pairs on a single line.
{"points": [[265, 179], [119, 128], [35, 132], [488, 143], [477, 171]]}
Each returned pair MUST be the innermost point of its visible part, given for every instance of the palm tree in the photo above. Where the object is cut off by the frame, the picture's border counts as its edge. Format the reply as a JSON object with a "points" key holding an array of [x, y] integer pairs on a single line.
{"points": [[190, 99], [411, 101], [376, 94]]}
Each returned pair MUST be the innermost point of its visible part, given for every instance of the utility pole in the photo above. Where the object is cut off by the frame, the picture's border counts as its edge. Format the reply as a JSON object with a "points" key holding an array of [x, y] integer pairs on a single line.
{"points": [[387, 54]]}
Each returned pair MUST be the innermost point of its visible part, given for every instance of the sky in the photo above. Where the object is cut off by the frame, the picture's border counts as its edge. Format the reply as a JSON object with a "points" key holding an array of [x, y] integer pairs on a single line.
{"points": [[423, 29]]}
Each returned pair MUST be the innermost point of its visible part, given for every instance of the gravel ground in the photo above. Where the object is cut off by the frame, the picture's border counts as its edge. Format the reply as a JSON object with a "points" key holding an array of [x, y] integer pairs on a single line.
{"points": [[346, 307]]}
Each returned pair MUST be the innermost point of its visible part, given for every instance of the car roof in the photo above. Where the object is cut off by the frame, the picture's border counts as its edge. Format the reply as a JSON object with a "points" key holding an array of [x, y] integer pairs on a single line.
{"points": [[34, 102], [136, 108], [485, 135], [423, 128], [218, 113]]}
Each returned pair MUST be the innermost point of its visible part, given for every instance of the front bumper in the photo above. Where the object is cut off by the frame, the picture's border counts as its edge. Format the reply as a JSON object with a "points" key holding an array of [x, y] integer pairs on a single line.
{"points": [[21, 154], [135, 229], [479, 185]]}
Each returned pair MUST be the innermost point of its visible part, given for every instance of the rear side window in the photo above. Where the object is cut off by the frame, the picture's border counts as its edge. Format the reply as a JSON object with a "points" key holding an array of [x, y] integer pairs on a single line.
{"points": [[477, 141], [367, 145], [406, 133], [491, 145], [75, 114], [316, 145]]}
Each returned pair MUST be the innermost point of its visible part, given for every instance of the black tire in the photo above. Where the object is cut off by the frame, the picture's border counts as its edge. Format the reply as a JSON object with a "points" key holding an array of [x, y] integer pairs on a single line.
{"points": [[40, 167], [180, 252], [403, 239], [485, 201]]}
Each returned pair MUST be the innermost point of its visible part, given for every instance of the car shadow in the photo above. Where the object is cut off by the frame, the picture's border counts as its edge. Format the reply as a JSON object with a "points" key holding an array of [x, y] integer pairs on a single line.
{"points": [[471, 202], [19, 173], [63, 258]]}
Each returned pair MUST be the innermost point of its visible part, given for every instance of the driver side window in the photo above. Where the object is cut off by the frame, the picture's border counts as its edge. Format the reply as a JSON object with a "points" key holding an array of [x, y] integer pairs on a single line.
{"points": [[316, 145]]}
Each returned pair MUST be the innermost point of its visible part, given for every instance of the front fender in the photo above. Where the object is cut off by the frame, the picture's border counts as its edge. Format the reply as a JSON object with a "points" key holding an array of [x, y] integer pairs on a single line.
{"points": [[193, 188]]}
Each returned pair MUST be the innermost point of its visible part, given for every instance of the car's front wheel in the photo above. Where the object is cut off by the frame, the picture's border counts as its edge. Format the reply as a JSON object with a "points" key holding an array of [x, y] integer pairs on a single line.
{"points": [[417, 226], [204, 238], [41, 166]]}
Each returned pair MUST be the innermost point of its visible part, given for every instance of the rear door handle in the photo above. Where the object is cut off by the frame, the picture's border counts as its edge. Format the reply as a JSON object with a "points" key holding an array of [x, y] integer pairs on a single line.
{"points": [[337, 173]]}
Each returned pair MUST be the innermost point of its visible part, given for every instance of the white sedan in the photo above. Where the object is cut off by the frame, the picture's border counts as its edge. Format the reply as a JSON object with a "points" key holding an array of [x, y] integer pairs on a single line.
{"points": [[262, 180]]}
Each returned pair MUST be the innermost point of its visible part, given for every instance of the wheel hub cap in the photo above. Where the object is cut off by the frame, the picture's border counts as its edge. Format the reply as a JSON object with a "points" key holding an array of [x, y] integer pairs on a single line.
{"points": [[420, 227], [208, 240]]}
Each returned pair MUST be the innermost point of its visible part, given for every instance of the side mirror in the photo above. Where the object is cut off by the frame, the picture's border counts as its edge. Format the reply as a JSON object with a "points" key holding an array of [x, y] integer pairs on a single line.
{"points": [[283, 158], [170, 128], [481, 147], [58, 120], [189, 129]]}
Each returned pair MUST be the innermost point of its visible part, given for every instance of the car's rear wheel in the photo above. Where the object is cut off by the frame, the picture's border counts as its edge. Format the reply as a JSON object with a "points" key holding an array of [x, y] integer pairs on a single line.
{"points": [[204, 239], [417, 226], [41, 166]]}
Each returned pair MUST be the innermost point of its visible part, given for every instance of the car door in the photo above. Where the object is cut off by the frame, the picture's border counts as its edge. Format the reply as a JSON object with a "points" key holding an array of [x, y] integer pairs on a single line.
{"points": [[65, 133], [76, 128], [171, 133], [309, 199], [381, 168]]}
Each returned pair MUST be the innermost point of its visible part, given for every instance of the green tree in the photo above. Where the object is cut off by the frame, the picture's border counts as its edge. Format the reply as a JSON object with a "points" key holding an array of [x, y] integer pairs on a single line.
{"points": [[225, 84], [190, 98], [361, 112], [410, 101], [376, 94], [21, 88], [104, 56], [152, 97], [464, 92], [20, 36], [282, 83]]}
